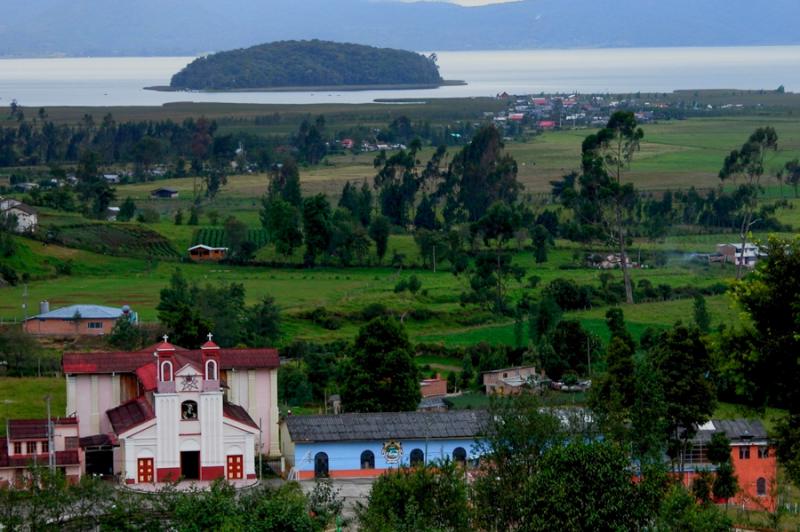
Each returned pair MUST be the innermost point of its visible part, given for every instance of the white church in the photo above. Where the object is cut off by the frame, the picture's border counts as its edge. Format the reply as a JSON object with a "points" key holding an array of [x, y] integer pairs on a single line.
{"points": [[167, 413]]}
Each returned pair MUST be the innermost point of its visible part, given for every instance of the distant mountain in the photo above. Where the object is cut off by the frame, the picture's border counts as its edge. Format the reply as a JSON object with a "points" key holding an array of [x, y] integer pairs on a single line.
{"points": [[178, 27], [307, 64]]}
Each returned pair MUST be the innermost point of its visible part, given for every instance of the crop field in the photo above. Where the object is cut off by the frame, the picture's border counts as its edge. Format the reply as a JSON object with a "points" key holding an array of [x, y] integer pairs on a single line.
{"points": [[218, 237]]}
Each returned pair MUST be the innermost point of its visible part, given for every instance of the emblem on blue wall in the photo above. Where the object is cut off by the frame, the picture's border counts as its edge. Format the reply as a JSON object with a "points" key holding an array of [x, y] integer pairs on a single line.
{"points": [[392, 451]]}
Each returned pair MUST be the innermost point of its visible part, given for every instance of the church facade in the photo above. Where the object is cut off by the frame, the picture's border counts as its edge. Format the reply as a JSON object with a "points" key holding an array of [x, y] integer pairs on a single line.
{"points": [[167, 413]]}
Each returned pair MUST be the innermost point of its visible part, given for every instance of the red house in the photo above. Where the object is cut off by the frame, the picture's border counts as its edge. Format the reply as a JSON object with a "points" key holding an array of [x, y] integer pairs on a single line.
{"points": [[752, 456]]}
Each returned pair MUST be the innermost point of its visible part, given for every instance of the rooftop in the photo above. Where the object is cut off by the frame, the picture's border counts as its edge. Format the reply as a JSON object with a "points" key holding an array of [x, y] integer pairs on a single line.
{"points": [[85, 312], [130, 414], [386, 425], [33, 429], [130, 362], [737, 430]]}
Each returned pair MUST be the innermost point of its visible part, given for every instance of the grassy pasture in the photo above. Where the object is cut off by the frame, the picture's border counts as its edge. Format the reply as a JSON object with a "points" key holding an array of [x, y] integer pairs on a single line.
{"points": [[23, 398]]}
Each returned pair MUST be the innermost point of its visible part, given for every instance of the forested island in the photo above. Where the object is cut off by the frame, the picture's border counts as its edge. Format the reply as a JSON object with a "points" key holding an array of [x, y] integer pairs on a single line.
{"points": [[304, 64]]}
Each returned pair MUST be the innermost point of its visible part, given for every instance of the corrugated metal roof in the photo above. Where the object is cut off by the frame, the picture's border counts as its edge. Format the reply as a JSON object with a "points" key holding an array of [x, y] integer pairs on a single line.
{"points": [[130, 414], [387, 425], [737, 430], [85, 311]]}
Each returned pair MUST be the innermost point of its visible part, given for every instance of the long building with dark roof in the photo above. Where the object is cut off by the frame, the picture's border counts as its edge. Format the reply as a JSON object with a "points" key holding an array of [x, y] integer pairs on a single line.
{"points": [[366, 445]]}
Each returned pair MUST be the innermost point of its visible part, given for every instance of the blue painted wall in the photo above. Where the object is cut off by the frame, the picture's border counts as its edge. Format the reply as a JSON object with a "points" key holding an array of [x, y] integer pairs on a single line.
{"points": [[347, 455]]}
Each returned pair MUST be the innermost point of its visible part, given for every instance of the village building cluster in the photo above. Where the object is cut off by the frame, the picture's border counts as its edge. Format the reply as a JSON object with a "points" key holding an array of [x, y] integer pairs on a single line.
{"points": [[165, 413]]}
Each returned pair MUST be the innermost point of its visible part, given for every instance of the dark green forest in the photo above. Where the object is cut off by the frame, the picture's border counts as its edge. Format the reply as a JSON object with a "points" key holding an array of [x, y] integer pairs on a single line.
{"points": [[306, 64]]}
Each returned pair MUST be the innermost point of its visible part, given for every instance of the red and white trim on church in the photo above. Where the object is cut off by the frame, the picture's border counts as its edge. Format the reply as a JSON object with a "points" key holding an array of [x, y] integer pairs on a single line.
{"points": [[175, 414]]}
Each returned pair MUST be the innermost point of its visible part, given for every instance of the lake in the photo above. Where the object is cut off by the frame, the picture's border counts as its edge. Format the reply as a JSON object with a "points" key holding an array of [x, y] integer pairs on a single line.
{"points": [[119, 81]]}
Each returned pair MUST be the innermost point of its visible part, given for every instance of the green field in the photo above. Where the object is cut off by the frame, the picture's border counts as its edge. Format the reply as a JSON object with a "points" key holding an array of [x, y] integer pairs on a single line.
{"points": [[24, 398]]}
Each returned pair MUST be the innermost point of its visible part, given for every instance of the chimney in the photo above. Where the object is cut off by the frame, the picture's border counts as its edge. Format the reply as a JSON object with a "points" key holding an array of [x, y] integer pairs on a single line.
{"points": [[44, 307]]}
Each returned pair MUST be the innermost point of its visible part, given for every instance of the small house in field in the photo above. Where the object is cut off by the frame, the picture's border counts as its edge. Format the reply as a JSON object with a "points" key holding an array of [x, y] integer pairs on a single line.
{"points": [[76, 320], [164, 193], [202, 253], [734, 254], [112, 179], [512, 381], [32, 441], [26, 218], [547, 124]]}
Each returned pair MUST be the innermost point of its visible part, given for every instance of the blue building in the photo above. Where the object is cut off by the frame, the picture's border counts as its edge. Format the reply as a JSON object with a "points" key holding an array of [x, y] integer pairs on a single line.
{"points": [[366, 445]]}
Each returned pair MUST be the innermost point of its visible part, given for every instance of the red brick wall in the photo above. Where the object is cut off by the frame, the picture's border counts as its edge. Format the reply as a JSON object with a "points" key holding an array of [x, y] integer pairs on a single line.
{"points": [[434, 387], [68, 327]]}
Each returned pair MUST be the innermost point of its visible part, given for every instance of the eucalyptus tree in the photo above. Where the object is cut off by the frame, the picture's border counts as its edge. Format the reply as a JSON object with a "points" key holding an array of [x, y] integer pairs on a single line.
{"points": [[749, 162]]}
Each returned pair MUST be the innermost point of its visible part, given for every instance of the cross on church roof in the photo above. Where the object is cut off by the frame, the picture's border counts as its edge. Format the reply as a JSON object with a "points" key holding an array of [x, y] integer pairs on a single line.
{"points": [[210, 336], [165, 337]]}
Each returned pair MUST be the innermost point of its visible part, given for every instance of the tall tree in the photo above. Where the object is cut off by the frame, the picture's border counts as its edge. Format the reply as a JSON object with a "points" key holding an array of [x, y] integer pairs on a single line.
{"points": [[317, 227], [379, 233], [284, 183], [380, 374], [606, 156], [749, 162], [684, 365], [479, 175], [282, 221]]}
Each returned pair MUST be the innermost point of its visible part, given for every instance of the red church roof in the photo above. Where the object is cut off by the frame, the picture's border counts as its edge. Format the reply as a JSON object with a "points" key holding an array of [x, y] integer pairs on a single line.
{"points": [[128, 415], [237, 413], [130, 362]]}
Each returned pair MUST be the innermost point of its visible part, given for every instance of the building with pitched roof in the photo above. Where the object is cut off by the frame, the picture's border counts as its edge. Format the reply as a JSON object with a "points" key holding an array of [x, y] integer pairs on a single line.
{"points": [[76, 320], [752, 456], [165, 413], [366, 445], [29, 441]]}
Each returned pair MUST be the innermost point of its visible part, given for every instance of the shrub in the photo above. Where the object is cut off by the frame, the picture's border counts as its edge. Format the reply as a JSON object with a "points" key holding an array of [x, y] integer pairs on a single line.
{"points": [[374, 310], [414, 284]]}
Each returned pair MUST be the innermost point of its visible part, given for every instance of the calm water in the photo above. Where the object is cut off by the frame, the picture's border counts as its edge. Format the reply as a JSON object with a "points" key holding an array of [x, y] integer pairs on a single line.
{"points": [[120, 81]]}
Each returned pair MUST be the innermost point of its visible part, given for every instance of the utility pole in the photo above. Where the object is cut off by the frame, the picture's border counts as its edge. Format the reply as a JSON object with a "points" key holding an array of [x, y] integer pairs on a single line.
{"points": [[589, 356], [434, 258], [260, 449], [25, 301], [51, 453]]}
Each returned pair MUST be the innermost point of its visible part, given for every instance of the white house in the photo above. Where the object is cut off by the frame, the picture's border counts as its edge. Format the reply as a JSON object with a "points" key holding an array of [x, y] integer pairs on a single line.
{"points": [[733, 254], [26, 218]]}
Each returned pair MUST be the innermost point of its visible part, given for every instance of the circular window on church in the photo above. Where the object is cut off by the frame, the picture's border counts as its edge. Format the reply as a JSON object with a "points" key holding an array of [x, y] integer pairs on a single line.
{"points": [[189, 410]]}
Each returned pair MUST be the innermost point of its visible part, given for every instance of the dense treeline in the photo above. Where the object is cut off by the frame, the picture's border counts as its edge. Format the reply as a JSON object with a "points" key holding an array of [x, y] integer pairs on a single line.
{"points": [[306, 64]]}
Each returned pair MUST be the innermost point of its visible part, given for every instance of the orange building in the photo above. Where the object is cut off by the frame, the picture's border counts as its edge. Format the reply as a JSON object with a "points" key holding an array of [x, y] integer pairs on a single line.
{"points": [[201, 252], [752, 456]]}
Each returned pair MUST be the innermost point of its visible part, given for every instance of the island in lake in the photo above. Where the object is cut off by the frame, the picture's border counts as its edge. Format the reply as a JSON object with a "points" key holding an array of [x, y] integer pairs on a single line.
{"points": [[303, 65]]}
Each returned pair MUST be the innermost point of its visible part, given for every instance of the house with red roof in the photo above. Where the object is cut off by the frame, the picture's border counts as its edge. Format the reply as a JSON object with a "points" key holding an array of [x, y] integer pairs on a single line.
{"points": [[37, 441], [166, 413]]}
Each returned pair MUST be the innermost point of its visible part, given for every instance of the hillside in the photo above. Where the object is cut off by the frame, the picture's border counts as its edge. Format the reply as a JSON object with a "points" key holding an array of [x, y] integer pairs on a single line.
{"points": [[306, 64], [190, 27]]}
